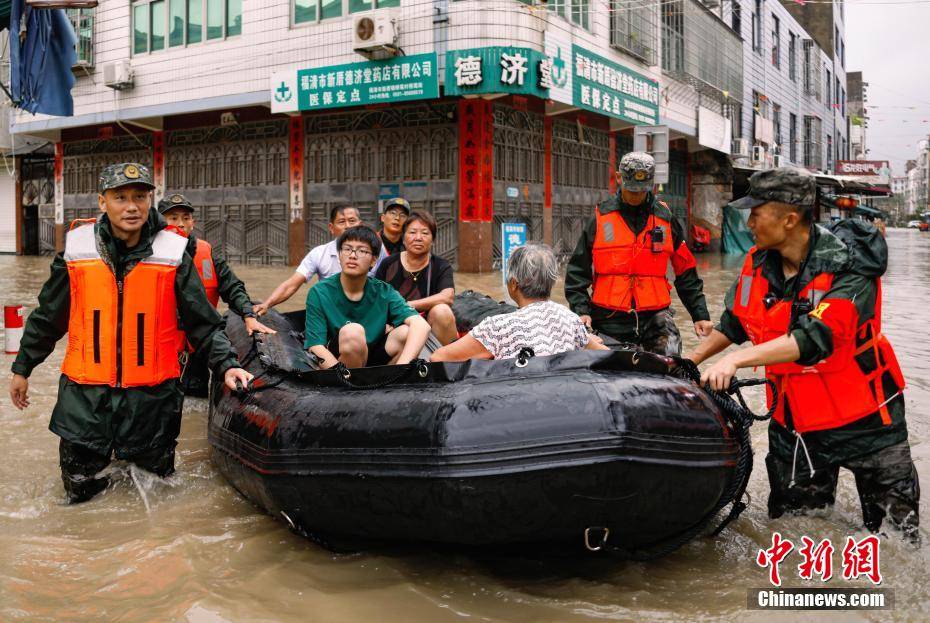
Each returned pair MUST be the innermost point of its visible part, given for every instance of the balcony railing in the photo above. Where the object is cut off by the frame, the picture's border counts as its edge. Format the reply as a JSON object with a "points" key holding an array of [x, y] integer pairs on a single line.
{"points": [[699, 48], [83, 22], [633, 27]]}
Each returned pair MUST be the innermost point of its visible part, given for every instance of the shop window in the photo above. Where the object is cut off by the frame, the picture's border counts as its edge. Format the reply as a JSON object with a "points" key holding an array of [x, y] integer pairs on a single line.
{"points": [[162, 24]]}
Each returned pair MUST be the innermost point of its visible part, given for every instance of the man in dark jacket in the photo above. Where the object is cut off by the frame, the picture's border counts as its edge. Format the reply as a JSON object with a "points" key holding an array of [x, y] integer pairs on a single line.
{"points": [[622, 257], [118, 290], [809, 299], [217, 276]]}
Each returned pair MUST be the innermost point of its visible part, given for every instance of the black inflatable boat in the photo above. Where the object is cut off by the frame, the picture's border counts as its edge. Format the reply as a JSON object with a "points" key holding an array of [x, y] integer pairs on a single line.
{"points": [[598, 448]]}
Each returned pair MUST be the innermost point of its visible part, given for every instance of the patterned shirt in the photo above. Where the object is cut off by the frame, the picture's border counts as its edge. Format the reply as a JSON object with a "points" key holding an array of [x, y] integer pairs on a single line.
{"points": [[546, 327]]}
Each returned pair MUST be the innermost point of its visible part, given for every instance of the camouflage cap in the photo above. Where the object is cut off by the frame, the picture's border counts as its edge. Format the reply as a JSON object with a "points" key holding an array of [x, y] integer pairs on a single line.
{"points": [[172, 201], [791, 185], [638, 171], [124, 174], [397, 202]]}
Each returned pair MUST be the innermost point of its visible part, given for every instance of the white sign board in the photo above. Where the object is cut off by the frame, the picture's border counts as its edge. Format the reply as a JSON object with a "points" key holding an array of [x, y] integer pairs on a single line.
{"points": [[558, 49], [513, 235], [714, 130]]}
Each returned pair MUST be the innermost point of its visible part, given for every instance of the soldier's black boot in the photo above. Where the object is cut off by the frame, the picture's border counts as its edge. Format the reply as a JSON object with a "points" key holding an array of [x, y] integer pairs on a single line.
{"points": [[79, 468]]}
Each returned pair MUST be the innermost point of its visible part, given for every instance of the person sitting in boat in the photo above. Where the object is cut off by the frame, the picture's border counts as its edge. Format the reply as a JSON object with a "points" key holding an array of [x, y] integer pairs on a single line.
{"points": [[539, 323], [347, 313], [423, 279], [323, 261]]}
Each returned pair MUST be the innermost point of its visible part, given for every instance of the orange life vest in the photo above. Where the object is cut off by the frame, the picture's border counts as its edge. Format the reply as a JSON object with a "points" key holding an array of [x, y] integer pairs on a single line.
{"points": [[203, 261], [839, 389], [627, 269], [122, 333]]}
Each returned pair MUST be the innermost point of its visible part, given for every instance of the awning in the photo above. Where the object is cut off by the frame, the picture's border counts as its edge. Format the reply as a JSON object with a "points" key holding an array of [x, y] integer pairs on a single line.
{"points": [[870, 211], [846, 184]]}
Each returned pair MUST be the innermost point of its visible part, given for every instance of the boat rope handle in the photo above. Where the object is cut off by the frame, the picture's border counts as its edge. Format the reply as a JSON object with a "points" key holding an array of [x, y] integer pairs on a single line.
{"points": [[524, 356], [344, 375]]}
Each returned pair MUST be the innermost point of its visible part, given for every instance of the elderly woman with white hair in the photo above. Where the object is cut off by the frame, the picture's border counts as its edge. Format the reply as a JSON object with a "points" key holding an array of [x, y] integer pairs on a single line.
{"points": [[539, 323]]}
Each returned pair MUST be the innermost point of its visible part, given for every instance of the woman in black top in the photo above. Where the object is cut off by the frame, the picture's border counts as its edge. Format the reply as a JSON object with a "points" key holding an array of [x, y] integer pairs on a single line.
{"points": [[423, 279]]}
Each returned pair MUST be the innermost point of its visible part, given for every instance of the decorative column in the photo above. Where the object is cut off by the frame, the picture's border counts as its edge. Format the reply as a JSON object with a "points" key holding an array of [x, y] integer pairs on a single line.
{"points": [[296, 232], [547, 180], [476, 185], [59, 197]]}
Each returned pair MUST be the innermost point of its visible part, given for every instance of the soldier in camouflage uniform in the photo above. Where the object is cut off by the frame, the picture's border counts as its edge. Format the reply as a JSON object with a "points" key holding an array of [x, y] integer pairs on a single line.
{"points": [[119, 393], [615, 279], [809, 299]]}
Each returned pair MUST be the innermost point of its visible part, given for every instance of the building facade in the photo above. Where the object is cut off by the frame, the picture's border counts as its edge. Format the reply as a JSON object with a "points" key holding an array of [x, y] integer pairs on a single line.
{"points": [[857, 100]]}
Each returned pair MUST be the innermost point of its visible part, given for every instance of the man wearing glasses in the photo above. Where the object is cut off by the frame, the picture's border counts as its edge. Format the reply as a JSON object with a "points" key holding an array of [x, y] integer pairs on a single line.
{"points": [[347, 313]]}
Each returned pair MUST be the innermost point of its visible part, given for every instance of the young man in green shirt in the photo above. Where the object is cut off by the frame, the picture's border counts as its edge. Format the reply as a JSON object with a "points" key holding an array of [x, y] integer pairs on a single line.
{"points": [[347, 313]]}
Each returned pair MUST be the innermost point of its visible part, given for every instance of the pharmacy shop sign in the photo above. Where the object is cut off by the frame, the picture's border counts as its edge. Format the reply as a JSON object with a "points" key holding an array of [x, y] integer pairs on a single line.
{"points": [[398, 79], [602, 86], [498, 70]]}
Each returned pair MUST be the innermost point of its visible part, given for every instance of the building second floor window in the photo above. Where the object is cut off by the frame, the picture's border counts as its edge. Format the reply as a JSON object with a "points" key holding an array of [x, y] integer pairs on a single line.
{"points": [[793, 56], [305, 11], [83, 22], [757, 27], [776, 42], [828, 100], [736, 18], [161, 24], [792, 137], [575, 11], [776, 122]]}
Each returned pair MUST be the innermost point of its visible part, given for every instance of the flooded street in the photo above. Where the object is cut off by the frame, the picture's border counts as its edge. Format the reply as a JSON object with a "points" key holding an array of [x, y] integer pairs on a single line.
{"points": [[203, 554]]}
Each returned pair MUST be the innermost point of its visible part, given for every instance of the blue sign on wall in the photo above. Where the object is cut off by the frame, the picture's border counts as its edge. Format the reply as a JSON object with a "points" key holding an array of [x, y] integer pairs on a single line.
{"points": [[513, 235]]}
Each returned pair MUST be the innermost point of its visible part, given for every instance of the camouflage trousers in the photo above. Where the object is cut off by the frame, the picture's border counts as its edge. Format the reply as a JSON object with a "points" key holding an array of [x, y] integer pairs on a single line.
{"points": [[654, 331], [886, 481]]}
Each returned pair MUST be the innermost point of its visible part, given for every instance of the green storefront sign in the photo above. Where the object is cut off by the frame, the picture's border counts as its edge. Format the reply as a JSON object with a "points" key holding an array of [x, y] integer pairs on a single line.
{"points": [[605, 87], [371, 82], [497, 70]]}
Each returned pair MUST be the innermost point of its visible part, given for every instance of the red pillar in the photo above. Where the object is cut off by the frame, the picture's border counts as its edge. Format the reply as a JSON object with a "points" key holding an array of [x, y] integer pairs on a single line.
{"points": [[476, 185], [296, 232], [612, 157], [547, 180]]}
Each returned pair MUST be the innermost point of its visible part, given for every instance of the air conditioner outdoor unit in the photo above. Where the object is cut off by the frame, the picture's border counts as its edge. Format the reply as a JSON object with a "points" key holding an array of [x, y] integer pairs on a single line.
{"points": [[741, 147], [758, 154], [118, 75], [374, 32]]}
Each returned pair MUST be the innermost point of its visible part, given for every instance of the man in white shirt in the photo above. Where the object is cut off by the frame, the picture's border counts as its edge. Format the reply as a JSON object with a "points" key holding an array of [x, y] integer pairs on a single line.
{"points": [[322, 261]]}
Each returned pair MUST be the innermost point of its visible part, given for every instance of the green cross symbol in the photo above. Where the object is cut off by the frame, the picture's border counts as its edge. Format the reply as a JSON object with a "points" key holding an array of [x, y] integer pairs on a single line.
{"points": [[282, 93]]}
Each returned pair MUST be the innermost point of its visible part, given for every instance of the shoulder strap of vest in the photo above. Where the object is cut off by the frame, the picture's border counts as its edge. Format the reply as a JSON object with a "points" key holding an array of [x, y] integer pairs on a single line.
{"points": [[78, 222], [167, 249], [81, 243], [204, 246]]}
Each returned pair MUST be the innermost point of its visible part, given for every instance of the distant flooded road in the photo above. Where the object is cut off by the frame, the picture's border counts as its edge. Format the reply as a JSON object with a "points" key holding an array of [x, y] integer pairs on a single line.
{"points": [[203, 554]]}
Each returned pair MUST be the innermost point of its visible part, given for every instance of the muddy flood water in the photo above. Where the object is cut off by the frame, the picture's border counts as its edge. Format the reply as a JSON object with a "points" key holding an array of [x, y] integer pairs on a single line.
{"points": [[192, 549]]}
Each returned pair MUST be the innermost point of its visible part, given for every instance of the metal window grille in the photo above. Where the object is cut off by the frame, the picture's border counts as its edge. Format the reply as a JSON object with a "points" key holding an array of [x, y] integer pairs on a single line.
{"points": [[812, 70], [813, 148], [793, 137], [700, 49], [632, 28], [82, 20]]}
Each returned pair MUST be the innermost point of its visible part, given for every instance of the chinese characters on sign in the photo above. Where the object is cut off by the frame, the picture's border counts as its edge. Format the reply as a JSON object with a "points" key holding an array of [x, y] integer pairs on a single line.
{"points": [[513, 235], [354, 84], [296, 182], [603, 86], [596, 83], [158, 164], [476, 149], [860, 558], [495, 70]]}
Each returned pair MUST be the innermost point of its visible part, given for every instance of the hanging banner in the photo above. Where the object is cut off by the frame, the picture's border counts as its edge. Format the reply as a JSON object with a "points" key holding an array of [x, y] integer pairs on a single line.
{"points": [[476, 166], [296, 181], [59, 169], [158, 164], [603, 86], [398, 79]]}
